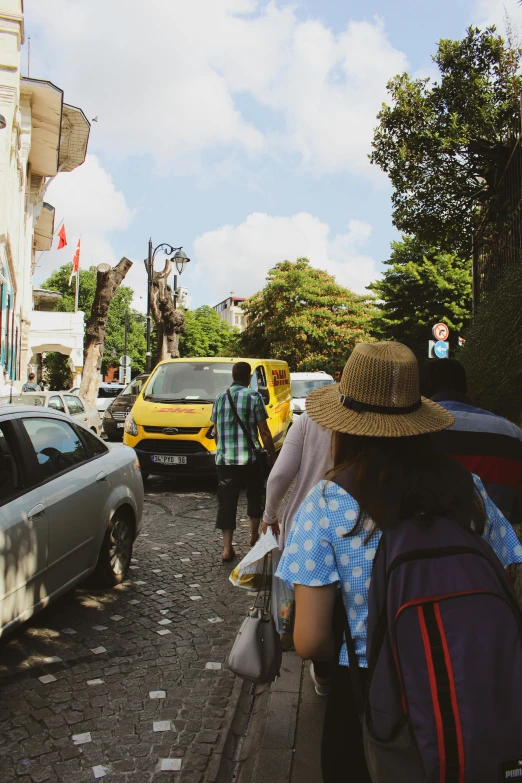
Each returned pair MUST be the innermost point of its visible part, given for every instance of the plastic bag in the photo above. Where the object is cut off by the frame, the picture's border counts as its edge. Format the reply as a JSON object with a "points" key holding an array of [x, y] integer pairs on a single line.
{"points": [[249, 573], [283, 599]]}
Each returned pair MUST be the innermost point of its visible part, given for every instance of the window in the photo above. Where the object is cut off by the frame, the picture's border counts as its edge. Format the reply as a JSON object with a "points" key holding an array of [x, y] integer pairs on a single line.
{"points": [[56, 404], [258, 383], [57, 445], [95, 445], [134, 388], [8, 470], [301, 389], [110, 391], [74, 404], [188, 382], [237, 319]]}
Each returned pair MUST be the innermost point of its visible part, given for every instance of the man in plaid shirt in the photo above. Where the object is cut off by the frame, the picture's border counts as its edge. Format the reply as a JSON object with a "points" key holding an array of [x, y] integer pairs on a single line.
{"points": [[235, 459]]}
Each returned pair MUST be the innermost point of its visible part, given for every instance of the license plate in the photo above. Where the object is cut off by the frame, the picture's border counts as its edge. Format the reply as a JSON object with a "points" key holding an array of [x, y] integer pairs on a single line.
{"points": [[120, 426], [162, 459]]}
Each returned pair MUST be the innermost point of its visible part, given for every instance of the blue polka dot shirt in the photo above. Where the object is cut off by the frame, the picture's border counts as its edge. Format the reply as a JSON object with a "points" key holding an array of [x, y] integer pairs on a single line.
{"points": [[317, 553]]}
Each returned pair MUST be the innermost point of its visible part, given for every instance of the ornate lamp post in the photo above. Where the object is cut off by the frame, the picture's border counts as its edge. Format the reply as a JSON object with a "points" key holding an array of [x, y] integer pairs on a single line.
{"points": [[181, 260]]}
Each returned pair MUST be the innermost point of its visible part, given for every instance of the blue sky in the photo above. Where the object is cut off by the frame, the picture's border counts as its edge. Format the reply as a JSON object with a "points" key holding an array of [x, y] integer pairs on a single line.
{"points": [[238, 129]]}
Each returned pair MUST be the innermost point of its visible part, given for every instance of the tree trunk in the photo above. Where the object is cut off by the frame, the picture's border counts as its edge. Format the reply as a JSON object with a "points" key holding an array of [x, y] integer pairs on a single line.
{"points": [[108, 281], [170, 323]]}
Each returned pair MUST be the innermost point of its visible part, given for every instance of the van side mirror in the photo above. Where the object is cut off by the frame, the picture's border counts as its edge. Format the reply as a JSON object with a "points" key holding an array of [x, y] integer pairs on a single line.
{"points": [[263, 391]]}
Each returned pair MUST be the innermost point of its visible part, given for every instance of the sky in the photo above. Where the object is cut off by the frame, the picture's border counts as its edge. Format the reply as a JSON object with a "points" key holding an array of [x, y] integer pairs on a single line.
{"points": [[238, 129]]}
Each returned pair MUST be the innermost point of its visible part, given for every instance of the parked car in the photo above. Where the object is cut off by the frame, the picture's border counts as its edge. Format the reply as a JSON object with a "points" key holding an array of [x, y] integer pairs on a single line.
{"points": [[302, 384], [106, 393], [63, 401], [69, 506], [116, 413]]}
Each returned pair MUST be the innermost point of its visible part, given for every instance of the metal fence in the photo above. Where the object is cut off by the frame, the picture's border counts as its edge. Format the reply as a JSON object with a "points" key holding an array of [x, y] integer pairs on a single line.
{"points": [[497, 243]]}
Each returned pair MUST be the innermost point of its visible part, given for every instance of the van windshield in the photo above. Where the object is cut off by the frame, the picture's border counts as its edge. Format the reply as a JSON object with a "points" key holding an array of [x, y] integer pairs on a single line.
{"points": [[188, 382], [302, 389]]}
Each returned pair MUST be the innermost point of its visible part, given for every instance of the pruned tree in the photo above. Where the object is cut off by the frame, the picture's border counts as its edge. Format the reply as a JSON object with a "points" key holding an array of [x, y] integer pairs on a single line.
{"points": [[170, 323], [108, 281]]}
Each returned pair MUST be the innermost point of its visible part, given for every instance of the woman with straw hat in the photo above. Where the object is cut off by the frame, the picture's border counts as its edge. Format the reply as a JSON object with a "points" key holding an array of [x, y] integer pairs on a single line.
{"points": [[392, 472]]}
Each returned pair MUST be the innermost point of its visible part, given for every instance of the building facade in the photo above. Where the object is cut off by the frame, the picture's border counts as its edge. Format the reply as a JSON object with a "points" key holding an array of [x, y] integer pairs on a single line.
{"points": [[40, 137], [229, 310]]}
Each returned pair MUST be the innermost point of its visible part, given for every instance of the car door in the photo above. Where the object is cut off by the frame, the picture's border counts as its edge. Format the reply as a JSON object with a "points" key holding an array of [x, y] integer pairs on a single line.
{"points": [[76, 408], [76, 496], [23, 531], [56, 403]]}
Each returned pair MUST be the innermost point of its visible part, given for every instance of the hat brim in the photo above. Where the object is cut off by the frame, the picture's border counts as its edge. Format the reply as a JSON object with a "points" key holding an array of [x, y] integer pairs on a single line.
{"points": [[324, 407]]}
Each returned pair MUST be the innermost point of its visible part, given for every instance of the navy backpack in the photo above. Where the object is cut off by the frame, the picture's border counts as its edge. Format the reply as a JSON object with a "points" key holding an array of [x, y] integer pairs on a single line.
{"points": [[444, 697]]}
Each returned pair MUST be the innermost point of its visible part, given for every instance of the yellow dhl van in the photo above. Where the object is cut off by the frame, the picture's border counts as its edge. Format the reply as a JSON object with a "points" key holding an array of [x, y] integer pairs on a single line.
{"points": [[170, 423]]}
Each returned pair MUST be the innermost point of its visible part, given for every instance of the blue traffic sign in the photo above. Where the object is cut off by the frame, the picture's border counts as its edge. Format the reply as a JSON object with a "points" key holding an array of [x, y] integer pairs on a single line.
{"points": [[441, 349]]}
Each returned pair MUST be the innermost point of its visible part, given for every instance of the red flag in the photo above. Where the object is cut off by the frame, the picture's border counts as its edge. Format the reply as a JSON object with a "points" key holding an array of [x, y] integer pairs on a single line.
{"points": [[63, 239], [76, 263]]}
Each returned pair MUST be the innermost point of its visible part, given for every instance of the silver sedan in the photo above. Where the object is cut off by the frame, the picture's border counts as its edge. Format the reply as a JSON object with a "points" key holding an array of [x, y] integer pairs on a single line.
{"points": [[69, 506]]}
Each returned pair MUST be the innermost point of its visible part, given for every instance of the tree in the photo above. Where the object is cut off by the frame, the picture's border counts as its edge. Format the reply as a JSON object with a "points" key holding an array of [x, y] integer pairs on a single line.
{"points": [[207, 335], [170, 322], [445, 145], [57, 371], [305, 317], [108, 280], [114, 338], [421, 286]]}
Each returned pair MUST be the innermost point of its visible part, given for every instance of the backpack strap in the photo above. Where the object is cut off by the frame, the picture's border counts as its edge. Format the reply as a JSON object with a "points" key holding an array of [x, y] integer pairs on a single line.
{"points": [[240, 422], [343, 633]]}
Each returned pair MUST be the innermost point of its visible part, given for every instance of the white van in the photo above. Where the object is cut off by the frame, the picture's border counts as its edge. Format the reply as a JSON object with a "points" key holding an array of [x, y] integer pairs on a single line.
{"points": [[302, 384]]}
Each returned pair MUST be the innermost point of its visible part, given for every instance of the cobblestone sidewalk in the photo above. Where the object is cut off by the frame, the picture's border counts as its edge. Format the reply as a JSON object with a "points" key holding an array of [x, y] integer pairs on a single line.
{"points": [[130, 685]]}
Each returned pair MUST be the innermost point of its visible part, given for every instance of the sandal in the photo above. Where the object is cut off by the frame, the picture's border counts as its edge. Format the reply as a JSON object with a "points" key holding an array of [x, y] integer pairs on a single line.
{"points": [[229, 559]]}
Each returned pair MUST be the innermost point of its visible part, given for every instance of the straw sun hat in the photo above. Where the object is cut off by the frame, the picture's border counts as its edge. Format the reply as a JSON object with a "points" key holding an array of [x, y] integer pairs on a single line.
{"points": [[378, 395]]}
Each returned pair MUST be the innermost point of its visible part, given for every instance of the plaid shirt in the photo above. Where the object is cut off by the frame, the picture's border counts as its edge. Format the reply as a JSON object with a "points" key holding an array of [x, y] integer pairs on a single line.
{"points": [[233, 447]]}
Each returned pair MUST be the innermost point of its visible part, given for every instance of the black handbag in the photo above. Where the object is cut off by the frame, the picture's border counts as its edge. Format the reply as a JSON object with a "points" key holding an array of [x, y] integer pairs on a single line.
{"points": [[261, 456]]}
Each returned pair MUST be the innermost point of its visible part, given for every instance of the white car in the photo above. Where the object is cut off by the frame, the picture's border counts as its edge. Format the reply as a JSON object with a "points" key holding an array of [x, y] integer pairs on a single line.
{"points": [[106, 394], [70, 506], [302, 384], [63, 401]]}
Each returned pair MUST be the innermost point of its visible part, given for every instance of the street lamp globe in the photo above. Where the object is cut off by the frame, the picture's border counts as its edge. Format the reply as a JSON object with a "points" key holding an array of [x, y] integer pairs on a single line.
{"points": [[181, 260]]}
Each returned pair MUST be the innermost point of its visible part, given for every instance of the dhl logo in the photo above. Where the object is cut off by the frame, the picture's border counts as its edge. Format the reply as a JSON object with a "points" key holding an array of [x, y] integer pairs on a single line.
{"points": [[279, 378], [175, 410]]}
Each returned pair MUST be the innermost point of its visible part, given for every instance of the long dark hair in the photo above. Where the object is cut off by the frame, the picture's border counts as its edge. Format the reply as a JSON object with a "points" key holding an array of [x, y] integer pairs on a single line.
{"points": [[402, 478]]}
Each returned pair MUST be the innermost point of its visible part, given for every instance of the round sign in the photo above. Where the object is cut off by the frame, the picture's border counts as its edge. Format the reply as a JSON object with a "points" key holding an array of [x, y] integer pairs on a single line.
{"points": [[441, 350], [440, 332], [125, 361]]}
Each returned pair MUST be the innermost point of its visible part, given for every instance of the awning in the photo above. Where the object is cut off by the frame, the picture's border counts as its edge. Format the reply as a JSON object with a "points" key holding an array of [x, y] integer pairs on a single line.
{"points": [[44, 229], [74, 139], [46, 110]]}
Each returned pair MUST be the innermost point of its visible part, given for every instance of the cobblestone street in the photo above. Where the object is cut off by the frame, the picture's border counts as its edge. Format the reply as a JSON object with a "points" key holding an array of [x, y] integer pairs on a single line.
{"points": [[130, 684]]}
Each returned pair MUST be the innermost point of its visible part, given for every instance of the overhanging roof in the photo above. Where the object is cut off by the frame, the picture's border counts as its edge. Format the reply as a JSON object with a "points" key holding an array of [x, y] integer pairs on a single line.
{"points": [[74, 139], [46, 110], [44, 229]]}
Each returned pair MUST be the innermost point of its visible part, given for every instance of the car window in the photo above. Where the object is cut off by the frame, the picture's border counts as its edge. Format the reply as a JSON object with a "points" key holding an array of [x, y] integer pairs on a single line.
{"points": [[57, 445], [56, 403], [134, 388], [9, 475], [109, 391], [74, 404], [95, 445]]}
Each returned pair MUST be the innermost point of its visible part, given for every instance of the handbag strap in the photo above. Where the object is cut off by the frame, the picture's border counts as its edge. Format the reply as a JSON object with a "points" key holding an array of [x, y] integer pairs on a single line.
{"points": [[240, 422], [265, 587], [342, 629]]}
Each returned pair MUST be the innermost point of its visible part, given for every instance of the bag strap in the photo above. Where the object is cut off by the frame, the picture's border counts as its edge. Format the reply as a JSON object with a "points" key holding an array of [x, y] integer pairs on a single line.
{"points": [[343, 632], [240, 422], [265, 587]]}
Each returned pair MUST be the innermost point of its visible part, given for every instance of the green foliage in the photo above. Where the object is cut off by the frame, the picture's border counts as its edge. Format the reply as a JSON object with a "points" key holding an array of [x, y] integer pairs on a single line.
{"points": [[492, 354], [421, 286], [305, 318], [207, 335], [114, 339], [57, 371], [446, 144]]}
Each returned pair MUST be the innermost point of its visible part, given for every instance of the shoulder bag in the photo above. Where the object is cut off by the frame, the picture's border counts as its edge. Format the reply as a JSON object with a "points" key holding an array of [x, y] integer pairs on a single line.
{"points": [[261, 456], [256, 654]]}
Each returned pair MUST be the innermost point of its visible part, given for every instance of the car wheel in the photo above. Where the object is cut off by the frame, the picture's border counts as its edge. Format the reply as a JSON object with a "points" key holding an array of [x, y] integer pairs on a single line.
{"points": [[116, 552]]}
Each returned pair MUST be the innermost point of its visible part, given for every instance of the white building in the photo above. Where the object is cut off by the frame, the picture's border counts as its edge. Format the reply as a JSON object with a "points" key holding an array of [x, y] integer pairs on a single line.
{"points": [[229, 310], [40, 136]]}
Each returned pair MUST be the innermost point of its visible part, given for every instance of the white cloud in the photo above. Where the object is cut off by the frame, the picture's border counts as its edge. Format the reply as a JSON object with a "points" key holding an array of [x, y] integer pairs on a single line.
{"points": [[87, 200], [239, 257], [168, 78], [489, 12]]}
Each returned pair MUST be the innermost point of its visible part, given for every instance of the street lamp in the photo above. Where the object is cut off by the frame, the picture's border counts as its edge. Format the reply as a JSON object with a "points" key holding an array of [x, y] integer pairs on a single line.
{"points": [[180, 260]]}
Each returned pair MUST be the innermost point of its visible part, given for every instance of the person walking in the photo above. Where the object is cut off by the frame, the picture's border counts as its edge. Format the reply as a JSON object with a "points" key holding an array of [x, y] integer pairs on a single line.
{"points": [[305, 457], [32, 385], [488, 445], [237, 466], [386, 471]]}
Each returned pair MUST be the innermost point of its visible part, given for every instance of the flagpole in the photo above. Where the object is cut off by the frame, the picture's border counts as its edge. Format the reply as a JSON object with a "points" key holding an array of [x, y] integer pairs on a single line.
{"points": [[77, 291]]}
